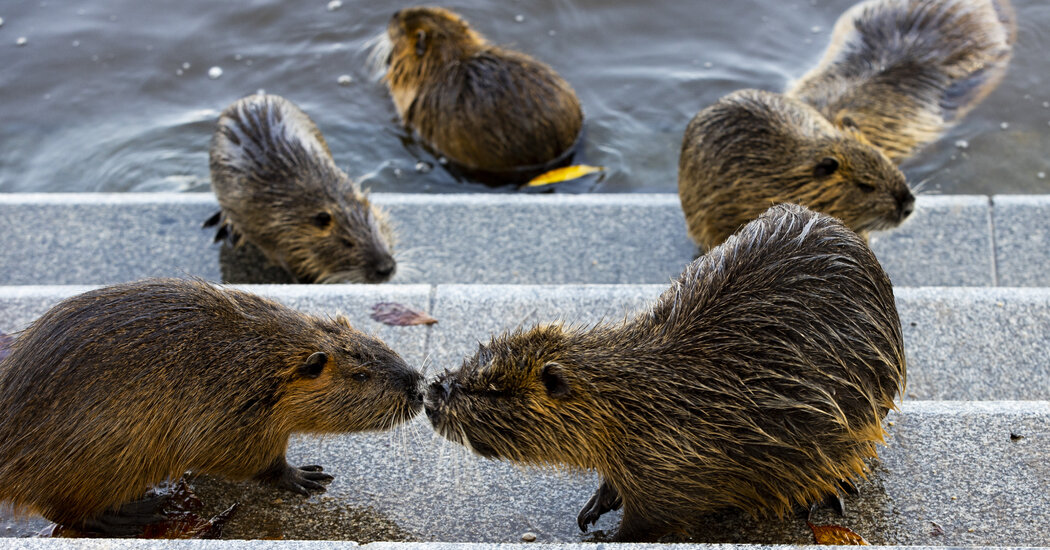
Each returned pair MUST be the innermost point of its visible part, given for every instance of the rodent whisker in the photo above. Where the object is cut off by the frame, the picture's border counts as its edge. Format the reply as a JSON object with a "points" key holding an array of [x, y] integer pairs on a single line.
{"points": [[379, 49]]}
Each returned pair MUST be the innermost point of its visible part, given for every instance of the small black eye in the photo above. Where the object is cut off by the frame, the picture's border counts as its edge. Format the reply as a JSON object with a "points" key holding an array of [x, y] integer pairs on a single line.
{"points": [[347, 242], [322, 219], [360, 376], [826, 167], [865, 187]]}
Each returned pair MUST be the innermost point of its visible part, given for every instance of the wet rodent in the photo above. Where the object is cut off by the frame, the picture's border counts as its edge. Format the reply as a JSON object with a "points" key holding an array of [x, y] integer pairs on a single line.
{"points": [[753, 149], [119, 388], [759, 380], [498, 115], [280, 189], [902, 71]]}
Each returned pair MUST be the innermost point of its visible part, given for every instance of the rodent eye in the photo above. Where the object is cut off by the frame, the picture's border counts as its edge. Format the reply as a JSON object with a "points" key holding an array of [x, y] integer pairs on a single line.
{"points": [[826, 167], [322, 219], [865, 187], [421, 42], [347, 242], [360, 376]]}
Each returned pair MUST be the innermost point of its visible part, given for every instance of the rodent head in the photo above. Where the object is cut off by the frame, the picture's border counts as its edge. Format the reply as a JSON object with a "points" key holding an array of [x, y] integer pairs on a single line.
{"points": [[854, 182], [519, 398], [349, 382], [340, 239], [418, 46]]}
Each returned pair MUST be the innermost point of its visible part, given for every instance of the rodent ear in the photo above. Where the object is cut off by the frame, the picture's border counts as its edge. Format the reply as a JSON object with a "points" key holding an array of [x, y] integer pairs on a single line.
{"points": [[421, 42], [826, 167], [314, 365], [847, 122], [553, 377]]}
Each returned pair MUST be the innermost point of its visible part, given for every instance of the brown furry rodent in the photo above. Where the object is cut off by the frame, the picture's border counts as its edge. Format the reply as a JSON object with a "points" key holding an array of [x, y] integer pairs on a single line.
{"points": [[280, 189], [753, 149], [498, 115], [757, 381], [117, 389], [902, 71]]}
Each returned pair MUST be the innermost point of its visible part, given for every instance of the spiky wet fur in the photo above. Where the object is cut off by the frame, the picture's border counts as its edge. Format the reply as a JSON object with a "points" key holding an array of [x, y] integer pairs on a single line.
{"points": [[273, 175], [757, 381], [486, 108], [753, 149], [903, 71], [117, 389]]}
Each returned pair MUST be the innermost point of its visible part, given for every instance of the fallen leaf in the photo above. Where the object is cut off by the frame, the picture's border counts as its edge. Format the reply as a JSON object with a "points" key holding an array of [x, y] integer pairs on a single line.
{"points": [[182, 520], [5, 344], [563, 174], [836, 535], [395, 314]]}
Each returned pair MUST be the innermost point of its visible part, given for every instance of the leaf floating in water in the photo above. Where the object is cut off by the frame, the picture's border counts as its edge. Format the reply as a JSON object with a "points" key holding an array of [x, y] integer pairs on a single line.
{"points": [[836, 535], [395, 314], [563, 174], [5, 344]]}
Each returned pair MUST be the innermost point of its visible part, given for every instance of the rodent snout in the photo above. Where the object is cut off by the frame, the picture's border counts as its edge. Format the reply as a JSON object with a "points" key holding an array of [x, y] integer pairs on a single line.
{"points": [[905, 206]]}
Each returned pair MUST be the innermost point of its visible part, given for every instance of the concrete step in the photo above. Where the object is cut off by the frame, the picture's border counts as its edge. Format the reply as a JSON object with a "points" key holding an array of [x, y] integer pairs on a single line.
{"points": [[951, 474], [961, 343], [952, 240]]}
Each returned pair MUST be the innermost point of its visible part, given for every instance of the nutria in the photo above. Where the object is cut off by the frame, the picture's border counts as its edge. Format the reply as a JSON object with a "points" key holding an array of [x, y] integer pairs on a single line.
{"points": [[498, 115], [280, 189], [757, 381], [902, 71], [117, 389], [753, 149]]}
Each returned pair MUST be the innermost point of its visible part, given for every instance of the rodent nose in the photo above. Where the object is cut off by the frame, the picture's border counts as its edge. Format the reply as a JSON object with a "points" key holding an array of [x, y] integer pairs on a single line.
{"points": [[440, 390], [385, 269], [396, 14], [906, 206]]}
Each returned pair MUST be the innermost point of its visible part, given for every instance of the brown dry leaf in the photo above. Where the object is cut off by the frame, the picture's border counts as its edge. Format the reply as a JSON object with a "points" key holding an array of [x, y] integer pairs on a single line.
{"points": [[182, 519], [836, 535], [5, 344], [398, 315], [563, 174]]}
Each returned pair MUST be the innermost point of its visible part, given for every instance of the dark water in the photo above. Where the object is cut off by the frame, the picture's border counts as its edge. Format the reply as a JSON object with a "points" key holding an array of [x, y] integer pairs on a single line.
{"points": [[98, 99]]}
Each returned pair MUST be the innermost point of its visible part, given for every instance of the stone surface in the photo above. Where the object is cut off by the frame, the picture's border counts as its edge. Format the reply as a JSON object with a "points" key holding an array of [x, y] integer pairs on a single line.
{"points": [[946, 242], [950, 474], [534, 239], [1022, 239]]}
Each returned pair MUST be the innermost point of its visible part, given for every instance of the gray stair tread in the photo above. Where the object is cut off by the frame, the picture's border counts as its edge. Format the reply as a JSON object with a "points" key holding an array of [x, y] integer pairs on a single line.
{"points": [[953, 464], [476, 238], [961, 343]]}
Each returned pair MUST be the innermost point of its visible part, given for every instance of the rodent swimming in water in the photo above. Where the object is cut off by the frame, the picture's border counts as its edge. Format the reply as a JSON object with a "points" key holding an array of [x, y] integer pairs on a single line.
{"points": [[117, 389], [753, 149], [280, 189], [759, 380], [900, 72], [498, 115]]}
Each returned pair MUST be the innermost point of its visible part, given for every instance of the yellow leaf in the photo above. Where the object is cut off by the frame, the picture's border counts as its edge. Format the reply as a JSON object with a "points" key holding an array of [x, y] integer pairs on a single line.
{"points": [[563, 174], [835, 535]]}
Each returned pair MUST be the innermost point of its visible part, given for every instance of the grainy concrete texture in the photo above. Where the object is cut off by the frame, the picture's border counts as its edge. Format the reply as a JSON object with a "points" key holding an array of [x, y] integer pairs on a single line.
{"points": [[951, 473], [509, 239], [961, 343]]}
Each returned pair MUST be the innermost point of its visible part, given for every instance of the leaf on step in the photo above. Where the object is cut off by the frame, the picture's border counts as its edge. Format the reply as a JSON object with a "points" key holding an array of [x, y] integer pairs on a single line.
{"points": [[395, 314], [5, 344], [563, 174], [836, 535]]}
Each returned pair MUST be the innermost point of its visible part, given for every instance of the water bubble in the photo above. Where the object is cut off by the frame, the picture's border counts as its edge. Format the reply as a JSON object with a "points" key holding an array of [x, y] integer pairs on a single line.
{"points": [[186, 66], [551, 32], [815, 29], [76, 43], [344, 80], [423, 167], [260, 91], [962, 144], [178, 72], [1046, 104], [442, 160], [1041, 175], [708, 64], [334, 5], [214, 72], [238, 57], [398, 172], [519, 18], [22, 41], [1004, 125]]}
